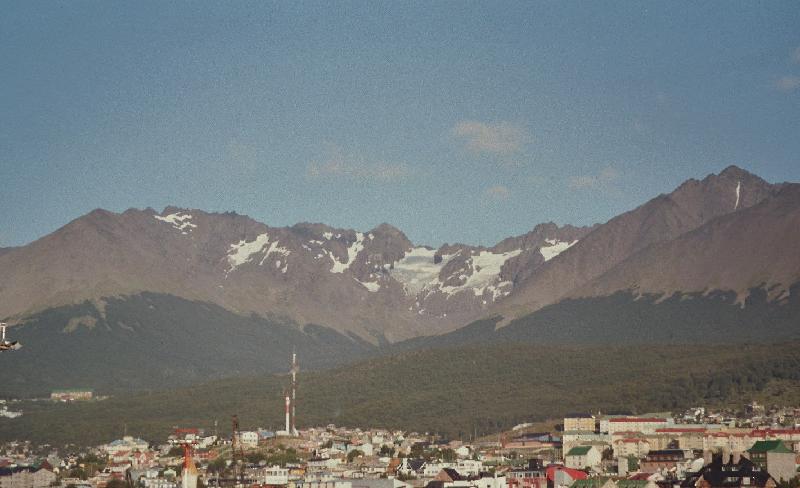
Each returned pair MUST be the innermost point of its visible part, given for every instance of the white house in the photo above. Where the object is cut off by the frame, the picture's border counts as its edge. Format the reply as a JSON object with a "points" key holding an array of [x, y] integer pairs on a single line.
{"points": [[582, 457]]}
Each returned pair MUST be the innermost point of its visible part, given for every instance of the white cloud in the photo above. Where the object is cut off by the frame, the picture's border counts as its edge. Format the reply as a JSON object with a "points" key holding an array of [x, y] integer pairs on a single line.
{"points": [[497, 192], [348, 166], [497, 138], [788, 83], [593, 181]]}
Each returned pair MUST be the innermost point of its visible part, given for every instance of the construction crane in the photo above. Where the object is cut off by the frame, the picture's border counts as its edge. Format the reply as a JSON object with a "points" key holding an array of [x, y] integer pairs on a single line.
{"points": [[6, 345]]}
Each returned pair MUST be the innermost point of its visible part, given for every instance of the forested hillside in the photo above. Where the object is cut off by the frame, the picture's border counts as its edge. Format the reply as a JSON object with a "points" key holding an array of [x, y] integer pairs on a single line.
{"points": [[456, 392]]}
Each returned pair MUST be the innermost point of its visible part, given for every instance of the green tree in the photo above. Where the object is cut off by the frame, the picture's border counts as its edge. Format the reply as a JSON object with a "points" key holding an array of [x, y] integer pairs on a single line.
{"points": [[255, 457], [354, 454], [115, 483], [386, 451], [633, 463], [792, 483], [448, 455], [217, 465]]}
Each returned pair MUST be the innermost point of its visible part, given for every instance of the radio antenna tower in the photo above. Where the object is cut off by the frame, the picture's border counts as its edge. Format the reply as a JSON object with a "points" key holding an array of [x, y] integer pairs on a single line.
{"points": [[294, 372], [237, 453]]}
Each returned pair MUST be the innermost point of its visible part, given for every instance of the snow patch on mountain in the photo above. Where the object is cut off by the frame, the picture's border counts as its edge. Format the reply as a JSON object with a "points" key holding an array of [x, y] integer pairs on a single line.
{"points": [[180, 221], [418, 269], [555, 248], [352, 252], [275, 248], [485, 275], [738, 193], [243, 251], [371, 287]]}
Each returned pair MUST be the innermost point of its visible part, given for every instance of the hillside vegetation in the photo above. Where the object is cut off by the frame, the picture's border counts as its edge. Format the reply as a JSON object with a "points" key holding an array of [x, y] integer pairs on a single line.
{"points": [[453, 391]]}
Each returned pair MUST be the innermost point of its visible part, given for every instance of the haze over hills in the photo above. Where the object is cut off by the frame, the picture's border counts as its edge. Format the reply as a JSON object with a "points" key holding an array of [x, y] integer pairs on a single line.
{"points": [[715, 259]]}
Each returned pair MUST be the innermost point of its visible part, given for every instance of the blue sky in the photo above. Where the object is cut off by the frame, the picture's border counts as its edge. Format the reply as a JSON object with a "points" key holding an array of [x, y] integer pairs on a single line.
{"points": [[455, 121]]}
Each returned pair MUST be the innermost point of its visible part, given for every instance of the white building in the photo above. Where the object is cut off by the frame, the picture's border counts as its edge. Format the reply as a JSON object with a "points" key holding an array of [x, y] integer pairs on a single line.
{"points": [[248, 439], [582, 457], [469, 467], [127, 443], [275, 475]]}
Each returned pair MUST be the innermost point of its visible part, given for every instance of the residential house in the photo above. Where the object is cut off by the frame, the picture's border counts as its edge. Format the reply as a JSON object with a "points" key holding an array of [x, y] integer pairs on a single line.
{"points": [[598, 482], [448, 475], [779, 461], [26, 477], [664, 460], [469, 467], [631, 446], [583, 457], [563, 477], [531, 476], [733, 473]]}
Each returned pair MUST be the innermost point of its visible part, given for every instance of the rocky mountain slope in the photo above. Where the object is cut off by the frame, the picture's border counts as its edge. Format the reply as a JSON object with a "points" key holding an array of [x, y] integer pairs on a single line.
{"points": [[376, 284], [660, 220], [754, 247], [195, 294], [382, 287]]}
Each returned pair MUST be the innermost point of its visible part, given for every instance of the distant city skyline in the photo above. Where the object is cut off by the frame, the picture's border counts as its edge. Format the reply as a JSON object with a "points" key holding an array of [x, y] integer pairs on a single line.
{"points": [[455, 122]]}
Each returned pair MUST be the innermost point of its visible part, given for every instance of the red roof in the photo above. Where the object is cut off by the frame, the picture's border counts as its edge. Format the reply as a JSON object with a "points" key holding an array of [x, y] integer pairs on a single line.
{"points": [[575, 474], [636, 419], [762, 432], [681, 429]]}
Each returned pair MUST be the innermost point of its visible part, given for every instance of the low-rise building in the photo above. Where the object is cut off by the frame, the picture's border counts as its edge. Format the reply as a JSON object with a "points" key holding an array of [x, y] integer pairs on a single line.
{"points": [[779, 461], [71, 395], [732, 473], [583, 457], [664, 460], [579, 422], [26, 477]]}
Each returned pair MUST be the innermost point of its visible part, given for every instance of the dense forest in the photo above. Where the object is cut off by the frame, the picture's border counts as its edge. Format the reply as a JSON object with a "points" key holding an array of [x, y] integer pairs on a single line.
{"points": [[453, 391]]}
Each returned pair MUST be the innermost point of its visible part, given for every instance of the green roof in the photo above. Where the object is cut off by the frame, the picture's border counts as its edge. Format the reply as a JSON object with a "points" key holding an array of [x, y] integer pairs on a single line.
{"points": [[631, 483], [579, 451], [769, 446], [589, 483]]}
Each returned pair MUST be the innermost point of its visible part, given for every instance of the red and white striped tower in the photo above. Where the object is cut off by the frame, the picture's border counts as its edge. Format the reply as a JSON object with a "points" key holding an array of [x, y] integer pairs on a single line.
{"points": [[293, 430], [288, 425]]}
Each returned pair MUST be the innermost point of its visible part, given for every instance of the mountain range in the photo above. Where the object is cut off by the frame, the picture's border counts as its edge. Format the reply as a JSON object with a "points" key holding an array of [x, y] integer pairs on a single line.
{"points": [[184, 294]]}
